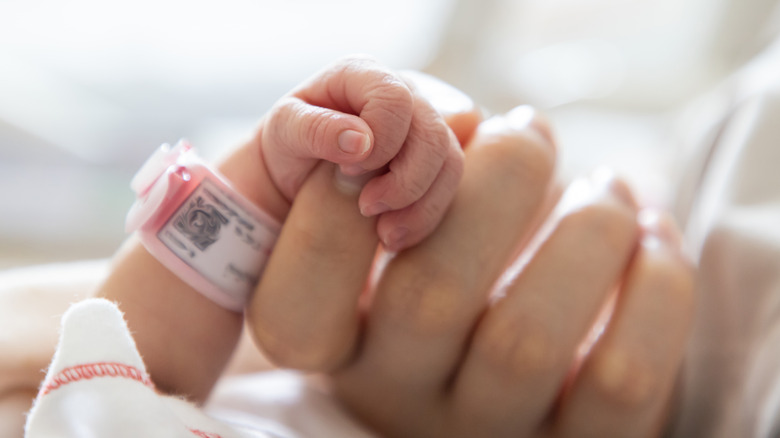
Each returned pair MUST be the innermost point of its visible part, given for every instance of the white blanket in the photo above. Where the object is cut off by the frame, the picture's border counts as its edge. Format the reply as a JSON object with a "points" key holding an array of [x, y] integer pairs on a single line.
{"points": [[97, 386]]}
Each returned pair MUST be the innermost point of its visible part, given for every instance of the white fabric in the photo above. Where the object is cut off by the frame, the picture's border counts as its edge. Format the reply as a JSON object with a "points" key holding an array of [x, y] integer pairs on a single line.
{"points": [[97, 386], [731, 381], [729, 201]]}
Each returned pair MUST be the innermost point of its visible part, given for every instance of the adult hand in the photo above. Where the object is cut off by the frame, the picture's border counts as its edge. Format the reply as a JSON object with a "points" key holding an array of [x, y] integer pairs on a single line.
{"points": [[437, 350]]}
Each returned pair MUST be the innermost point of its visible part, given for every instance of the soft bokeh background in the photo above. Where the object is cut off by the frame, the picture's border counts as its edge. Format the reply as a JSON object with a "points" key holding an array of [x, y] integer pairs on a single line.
{"points": [[88, 88]]}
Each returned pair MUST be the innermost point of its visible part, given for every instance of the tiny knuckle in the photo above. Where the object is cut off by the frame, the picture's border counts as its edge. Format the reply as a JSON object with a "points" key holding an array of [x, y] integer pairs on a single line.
{"points": [[431, 212], [394, 97], [433, 132], [437, 136], [455, 164], [315, 128], [413, 188], [277, 119]]}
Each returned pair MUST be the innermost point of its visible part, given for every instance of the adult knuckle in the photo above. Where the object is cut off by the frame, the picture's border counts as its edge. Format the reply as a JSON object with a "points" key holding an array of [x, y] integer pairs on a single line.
{"points": [[428, 303], [674, 276], [523, 348], [624, 379], [522, 160], [317, 245], [286, 347], [613, 224]]}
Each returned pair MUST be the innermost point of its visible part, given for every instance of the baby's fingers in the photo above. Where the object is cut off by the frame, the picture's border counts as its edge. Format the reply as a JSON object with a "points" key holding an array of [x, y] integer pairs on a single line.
{"points": [[326, 117], [296, 134], [412, 172], [406, 227], [304, 313], [421, 181]]}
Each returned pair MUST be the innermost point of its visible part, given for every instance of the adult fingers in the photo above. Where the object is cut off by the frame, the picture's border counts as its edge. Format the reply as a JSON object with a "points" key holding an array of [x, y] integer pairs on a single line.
{"points": [[430, 295], [526, 343], [304, 313], [318, 267], [627, 379]]}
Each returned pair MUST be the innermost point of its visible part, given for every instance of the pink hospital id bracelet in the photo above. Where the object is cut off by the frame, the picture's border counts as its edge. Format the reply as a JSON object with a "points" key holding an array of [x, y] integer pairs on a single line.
{"points": [[192, 220]]}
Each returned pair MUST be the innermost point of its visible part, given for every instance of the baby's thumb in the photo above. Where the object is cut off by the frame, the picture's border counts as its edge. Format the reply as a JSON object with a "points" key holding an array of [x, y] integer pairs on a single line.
{"points": [[297, 134]]}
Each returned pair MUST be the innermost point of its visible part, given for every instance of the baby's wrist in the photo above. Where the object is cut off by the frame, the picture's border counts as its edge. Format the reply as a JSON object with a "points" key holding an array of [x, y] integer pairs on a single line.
{"points": [[246, 170], [196, 224]]}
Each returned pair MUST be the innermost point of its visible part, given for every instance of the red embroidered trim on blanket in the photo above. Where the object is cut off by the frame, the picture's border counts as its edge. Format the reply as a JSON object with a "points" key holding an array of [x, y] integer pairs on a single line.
{"points": [[91, 370], [105, 369], [203, 434]]}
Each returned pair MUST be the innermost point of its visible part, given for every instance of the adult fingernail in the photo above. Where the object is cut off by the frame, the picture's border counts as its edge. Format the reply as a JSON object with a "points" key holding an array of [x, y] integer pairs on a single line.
{"points": [[617, 372], [520, 117], [350, 184], [606, 177], [601, 183], [395, 239], [526, 116], [660, 225], [578, 193], [354, 142], [375, 209], [352, 169]]}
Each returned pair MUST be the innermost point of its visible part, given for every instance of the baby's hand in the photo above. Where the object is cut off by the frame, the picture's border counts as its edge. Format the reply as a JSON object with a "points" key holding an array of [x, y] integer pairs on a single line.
{"points": [[377, 127]]}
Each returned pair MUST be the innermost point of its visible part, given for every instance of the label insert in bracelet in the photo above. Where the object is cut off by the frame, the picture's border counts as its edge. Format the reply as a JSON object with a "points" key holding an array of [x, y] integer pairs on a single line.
{"points": [[217, 238]]}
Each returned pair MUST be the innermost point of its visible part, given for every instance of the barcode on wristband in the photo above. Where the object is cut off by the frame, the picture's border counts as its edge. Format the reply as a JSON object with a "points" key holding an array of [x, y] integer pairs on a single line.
{"points": [[216, 237]]}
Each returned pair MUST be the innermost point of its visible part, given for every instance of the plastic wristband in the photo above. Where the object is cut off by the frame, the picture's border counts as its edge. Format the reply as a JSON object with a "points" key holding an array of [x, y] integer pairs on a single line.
{"points": [[192, 220]]}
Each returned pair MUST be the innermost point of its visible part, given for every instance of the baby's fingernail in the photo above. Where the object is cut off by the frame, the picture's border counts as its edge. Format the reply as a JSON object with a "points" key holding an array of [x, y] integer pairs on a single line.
{"points": [[375, 209], [350, 184], [395, 239], [354, 142]]}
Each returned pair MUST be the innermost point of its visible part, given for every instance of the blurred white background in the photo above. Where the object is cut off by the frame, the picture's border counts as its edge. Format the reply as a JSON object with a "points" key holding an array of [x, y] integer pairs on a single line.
{"points": [[88, 88]]}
